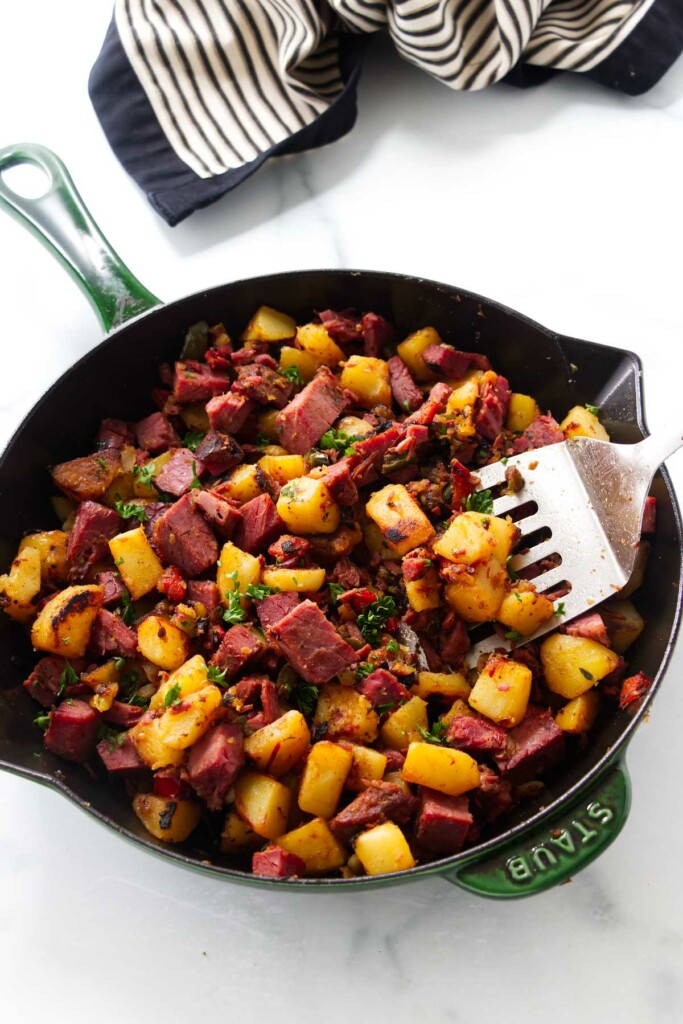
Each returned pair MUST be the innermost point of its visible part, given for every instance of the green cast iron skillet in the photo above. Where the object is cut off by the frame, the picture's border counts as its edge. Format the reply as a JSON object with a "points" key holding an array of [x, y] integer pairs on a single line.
{"points": [[584, 806]]}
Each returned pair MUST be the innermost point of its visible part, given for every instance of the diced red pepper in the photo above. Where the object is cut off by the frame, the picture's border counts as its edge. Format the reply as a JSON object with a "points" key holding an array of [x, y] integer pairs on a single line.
{"points": [[172, 583], [633, 688]]}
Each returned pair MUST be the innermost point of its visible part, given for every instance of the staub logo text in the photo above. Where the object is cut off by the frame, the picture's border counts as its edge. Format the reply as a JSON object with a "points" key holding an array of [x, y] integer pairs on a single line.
{"points": [[562, 843]]}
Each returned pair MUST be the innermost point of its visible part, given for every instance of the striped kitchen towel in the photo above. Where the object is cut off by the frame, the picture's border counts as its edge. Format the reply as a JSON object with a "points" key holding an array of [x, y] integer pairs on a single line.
{"points": [[194, 95]]}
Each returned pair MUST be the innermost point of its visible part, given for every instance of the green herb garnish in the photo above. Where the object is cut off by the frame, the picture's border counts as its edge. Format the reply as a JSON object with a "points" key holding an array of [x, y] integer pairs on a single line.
{"points": [[511, 572], [592, 408], [196, 482], [586, 674], [257, 591], [234, 612], [373, 618], [304, 697], [119, 663], [193, 438], [128, 612], [513, 634], [215, 675], [102, 462], [67, 678], [336, 591], [262, 441], [42, 721], [479, 501], [293, 374], [559, 608], [381, 708], [392, 647], [145, 474], [365, 668], [172, 696], [338, 441], [435, 735], [130, 510]]}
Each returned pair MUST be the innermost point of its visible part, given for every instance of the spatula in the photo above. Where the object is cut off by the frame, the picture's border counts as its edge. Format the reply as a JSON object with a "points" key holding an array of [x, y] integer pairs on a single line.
{"points": [[580, 511]]}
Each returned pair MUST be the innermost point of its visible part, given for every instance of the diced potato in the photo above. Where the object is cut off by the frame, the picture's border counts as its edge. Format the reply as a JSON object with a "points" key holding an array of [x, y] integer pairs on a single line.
{"points": [[579, 714], [423, 594], [477, 592], [451, 685], [306, 506], [265, 423], [242, 485], [502, 691], [503, 531], [63, 625], [400, 519], [411, 351], [368, 379], [460, 409], [183, 724], [51, 547], [170, 820], [354, 426], [162, 643], [346, 713], [623, 621], [579, 422], [21, 585], [522, 412], [449, 771], [153, 750], [263, 803], [64, 508], [374, 540], [465, 542], [316, 846], [277, 747], [139, 567], [313, 338], [457, 709], [283, 468], [638, 573], [105, 696], [234, 560], [306, 362], [237, 837], [384, 849], [269, 325], [195, 416], [574, 664], [303, 581], [366, 763], [101, 675], [189, 678], [524, 611], [403, 725], [397, 779], [322, 782]]}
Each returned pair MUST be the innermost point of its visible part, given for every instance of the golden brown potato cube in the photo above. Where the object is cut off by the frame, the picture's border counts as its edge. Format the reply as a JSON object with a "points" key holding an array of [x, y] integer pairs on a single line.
{"points": [[104, 697], [147, 740], [460, 409], [51, 547], [411, 351], [400, 519], [322, 782], [301, 581], [346, 713], [451, 685], [305, 362], [524, 611], [457, 709], [170, 820], [242, 484], [449, 771], [580, 422], [182, 724], [283, 468], [306, 506], [366, 764], [623, 621], [403, 725], [384, 849], [573, 664], [269, 324], [263, 803], [316, 846], [136, 561], [237, 837], [423, 594], [579, 714], [277, 747], [502, 691], [368, 379], [190, 677], [265, 423], [21, 585], [353, 426], [64, 624], [314, 339], [522, 412], [465, 541], [503, 531], [162, 643], [235, 561], [195, 416], [477, 592]]}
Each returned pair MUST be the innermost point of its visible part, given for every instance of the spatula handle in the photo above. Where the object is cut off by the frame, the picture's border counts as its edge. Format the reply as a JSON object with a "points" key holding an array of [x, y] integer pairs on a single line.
{"points": [[657, 448]]}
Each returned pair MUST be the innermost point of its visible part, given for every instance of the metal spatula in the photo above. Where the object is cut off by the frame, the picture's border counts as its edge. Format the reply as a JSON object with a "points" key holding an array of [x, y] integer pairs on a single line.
{"points": [[580, 511]]}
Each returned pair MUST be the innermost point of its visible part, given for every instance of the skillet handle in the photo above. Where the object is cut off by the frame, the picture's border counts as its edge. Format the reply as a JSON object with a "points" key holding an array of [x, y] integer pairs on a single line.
{"points": [[61, 221], [557, 850]]}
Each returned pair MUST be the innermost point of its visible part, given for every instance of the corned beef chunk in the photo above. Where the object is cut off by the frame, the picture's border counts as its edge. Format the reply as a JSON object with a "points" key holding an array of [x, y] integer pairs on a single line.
{"points": [[274, 862], [494, 795], [649, 516], [443, 821], [182, 538], [404, 389], [239, 646], [214, 762], [342, 327], [395, 759], [454, 641], [228, 413], [197, 382], [93, 528], [205, 592], [255, 692], [340, 484], [446, 360], [221, 515], [218, 453], [381, 801], [155, 433], [112, 585], [111, 636], [377, 334], [114, 434], [125, 715], [494, 402], [259, 524], [264, 385], [589, 626], [382, 687], [153, 510], [72, 732], [88, 478], [433, 404], [533, 746], [476, 735], [311, 413], [274, 608], [311, 644], [543, 431], [289, 550], [120, 758], [177, 476], [48, 681]]}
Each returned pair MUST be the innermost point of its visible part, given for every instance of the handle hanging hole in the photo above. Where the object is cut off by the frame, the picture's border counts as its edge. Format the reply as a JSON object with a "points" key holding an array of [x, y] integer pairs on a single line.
{"points": [[27, 180]]}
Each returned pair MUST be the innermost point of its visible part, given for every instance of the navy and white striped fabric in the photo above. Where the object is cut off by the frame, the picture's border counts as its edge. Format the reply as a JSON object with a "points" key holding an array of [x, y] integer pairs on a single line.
{"points": [[194, 95]]}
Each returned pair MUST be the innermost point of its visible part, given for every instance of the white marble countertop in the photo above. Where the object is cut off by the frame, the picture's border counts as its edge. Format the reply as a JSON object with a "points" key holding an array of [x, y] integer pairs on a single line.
{"points": [[563, 203]]}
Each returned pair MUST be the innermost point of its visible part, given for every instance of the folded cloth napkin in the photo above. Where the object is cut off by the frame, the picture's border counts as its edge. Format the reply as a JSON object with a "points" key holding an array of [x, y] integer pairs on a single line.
{"points": [[194, 95]]}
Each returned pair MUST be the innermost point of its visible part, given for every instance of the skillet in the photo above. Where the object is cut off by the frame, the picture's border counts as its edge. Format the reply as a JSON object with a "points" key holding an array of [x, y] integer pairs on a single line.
{"points": [[583, 808]]}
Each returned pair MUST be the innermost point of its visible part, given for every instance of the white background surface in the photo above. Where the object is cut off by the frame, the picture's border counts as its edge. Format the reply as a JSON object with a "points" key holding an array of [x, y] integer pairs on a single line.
{"points": [[564, 203]]}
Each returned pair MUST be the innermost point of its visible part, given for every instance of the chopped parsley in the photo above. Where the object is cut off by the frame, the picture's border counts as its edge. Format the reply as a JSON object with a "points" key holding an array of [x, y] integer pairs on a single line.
{"points": [[119, 561], [257, 591], [42, 721], [114, 739], [234, 612], [145, 474], [381, 708], [102, 462], [365, 668], [304, 697], [130, 510], [336, 591], [436, 734], [119, 663], [559, 608], [262, 441], [392, 646], [504, 460], [193, 438], [338, 441], [172, 696], [373, 618], [293, 374], [128, 612], [586, 674], [215, 675], [518, 597], [592, 408], [479, 501], [513, 634], [514, 576], [67, 678], [196, 482]]}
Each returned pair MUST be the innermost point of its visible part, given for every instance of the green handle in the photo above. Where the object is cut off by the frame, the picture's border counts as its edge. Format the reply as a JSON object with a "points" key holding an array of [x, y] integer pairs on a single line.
{"points": [[61, 221], [561, 847]]}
